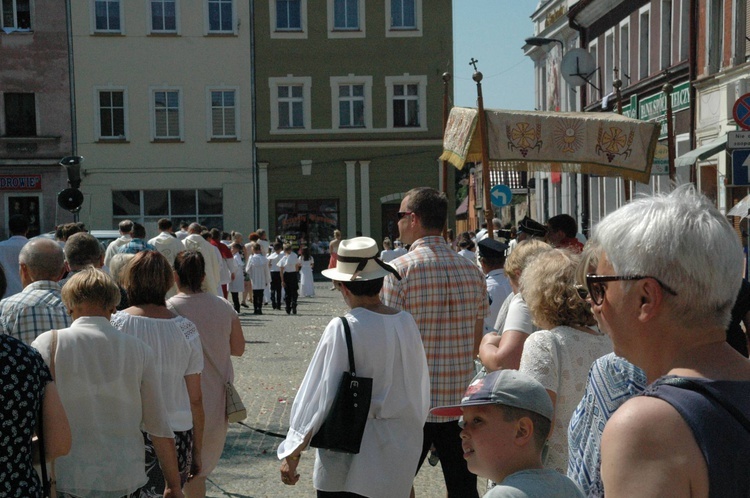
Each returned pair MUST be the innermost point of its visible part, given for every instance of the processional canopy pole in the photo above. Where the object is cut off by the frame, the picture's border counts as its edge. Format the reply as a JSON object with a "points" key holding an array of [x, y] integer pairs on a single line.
{"points": [[488, 215]]}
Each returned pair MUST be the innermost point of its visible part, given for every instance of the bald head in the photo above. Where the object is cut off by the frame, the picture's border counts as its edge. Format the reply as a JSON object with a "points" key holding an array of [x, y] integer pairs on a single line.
{"points": [[41, 259], [195, 228]]}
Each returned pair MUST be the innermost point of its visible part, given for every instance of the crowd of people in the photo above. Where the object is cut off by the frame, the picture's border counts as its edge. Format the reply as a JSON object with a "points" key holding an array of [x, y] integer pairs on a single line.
{"points": [[547, 364]]}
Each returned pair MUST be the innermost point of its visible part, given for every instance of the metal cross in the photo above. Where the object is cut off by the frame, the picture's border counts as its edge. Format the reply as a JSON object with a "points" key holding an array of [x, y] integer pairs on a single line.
{"points": [[473, 63]]}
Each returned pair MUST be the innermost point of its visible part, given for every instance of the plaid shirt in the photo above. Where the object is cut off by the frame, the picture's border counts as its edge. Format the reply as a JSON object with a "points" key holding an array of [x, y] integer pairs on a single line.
{"points": [[36, 309], [135, 246], [446, 294]]}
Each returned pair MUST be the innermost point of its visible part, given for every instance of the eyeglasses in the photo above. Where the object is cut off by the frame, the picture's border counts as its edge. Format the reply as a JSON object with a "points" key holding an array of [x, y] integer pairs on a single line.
{"points": [[596, 285], [401, 214]]}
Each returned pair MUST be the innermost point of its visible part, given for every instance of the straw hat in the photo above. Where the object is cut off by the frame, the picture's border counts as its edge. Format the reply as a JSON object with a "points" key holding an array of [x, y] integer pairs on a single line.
{"points": [[357, 261]]}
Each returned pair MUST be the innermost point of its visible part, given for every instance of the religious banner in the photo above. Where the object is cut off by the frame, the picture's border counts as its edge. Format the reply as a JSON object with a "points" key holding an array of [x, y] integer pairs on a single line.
{"points": [[604, 144]]}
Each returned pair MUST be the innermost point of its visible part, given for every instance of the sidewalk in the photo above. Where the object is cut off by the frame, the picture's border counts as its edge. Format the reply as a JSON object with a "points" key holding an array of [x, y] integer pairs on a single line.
{"points": [[279, 347]]}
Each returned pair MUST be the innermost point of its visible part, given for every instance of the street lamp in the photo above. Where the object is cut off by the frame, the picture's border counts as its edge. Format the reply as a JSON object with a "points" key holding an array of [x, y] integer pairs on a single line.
{"points": [[540, 41]]}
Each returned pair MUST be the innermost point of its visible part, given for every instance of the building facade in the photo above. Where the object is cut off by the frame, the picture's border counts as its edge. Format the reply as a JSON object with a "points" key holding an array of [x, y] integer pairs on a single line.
{"points": [[348, 112], [644, 45], [163, 98], [35, 112]]}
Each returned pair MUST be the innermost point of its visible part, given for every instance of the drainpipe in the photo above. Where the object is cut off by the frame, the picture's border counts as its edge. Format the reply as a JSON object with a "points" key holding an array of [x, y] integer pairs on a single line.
{"points": [[253, 134], [692, 75], [71, 78]]}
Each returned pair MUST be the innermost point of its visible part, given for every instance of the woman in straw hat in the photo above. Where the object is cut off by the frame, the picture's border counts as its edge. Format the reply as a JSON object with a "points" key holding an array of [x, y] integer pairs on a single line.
{"points": [[388, 348]]}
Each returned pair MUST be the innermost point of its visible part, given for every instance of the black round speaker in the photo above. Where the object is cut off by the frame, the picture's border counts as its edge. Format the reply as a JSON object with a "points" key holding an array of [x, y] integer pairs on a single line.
{"points": [[70, 199]]}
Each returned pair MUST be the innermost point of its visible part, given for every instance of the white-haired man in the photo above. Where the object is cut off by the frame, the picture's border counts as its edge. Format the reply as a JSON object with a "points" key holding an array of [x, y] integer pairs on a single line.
{"points": [[668, 274]]}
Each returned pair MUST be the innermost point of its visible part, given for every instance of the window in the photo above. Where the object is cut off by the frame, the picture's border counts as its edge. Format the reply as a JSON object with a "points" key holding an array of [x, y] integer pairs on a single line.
{"points": [[406, 97], [346, 18], [643, 44], [625, 54], [403, 14], [288, 18], [146, 206], [290, 104], [609, 62], [111, 114], [345, 14], [352, 101], [20, 115], [223, 114], [666, 33], [107, 16], [16, 14], [163, 16], [715, 39], [166, 115], [288, 15], [220, 19], [313, 219]]}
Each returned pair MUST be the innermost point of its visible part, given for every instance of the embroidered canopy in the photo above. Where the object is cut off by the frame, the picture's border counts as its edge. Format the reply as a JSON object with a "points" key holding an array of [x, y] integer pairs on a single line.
{"points": [[604, 144]]}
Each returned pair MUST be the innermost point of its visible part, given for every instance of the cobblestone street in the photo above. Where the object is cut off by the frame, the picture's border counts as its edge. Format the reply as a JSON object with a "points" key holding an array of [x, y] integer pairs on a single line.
{"points": [[279, 347]]}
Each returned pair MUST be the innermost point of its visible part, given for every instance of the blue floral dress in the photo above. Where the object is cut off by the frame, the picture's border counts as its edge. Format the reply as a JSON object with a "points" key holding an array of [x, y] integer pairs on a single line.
{"points": [[23, 377]]}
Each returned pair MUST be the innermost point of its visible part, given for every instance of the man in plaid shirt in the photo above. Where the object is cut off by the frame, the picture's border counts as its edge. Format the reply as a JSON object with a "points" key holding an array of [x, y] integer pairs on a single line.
{"points": [[447, 295], [38, 307]]}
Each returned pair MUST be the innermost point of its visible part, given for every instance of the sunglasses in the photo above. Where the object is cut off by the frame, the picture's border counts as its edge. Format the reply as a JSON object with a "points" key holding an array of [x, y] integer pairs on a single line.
{"points": [[401, 214], [596, 285]]}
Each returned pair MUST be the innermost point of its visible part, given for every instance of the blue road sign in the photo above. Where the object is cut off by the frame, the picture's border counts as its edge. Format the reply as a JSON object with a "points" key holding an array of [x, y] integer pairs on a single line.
{"points": [[740, 167], [500, 195], [741, 112]]}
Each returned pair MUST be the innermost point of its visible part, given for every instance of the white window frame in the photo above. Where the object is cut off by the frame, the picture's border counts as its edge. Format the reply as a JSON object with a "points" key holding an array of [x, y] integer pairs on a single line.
{"points": [[351, 79], [94, 30], [644, 56], [150, 18], [14, 26], [666, 33], [594, 51], [398, 32], [209, 113], [180, 110], [300, 34], [334, 32], [624, 58], [609, 61], [97, 117], [306, 82], [209, 31], [407, 79]]}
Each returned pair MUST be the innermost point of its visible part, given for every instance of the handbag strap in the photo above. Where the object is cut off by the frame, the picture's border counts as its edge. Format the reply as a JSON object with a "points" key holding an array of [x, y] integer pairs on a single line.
{"points": [[349, 348], [709, 393]]}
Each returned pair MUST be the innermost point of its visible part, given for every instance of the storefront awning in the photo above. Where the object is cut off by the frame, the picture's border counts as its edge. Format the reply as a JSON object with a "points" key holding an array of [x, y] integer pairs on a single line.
{"points": [[703, 152]]}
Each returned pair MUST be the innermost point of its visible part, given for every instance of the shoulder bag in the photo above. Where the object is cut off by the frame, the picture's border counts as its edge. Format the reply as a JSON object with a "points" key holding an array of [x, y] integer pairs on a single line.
{"points": [[235, 408], [344, 425]]}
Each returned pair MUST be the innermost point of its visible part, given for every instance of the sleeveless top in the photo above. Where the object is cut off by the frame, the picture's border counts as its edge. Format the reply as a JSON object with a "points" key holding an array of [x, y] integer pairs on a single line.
{"points": [[723, 441]]}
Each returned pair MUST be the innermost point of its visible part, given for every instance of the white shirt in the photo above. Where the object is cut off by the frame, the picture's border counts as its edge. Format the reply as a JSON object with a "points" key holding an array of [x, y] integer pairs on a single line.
{"points": [[498, 288], [387, 348], [114, 247], [257, 269], [470, 255], [519, 317], [238, 284], [182, 234], [195, 242], [288, 262], [9, 251], [167, 245], [178, 350], [388, 255], [109, 386], [273, 261]]}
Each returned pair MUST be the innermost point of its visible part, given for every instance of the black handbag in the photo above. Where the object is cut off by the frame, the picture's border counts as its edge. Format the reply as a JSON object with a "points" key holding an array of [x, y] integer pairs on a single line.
{"points": [[344, 425]]}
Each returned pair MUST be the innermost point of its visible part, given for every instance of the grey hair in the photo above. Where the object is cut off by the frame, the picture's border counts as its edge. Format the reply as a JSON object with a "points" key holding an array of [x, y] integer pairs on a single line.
{"points": [[684, 241], [43, 258]]}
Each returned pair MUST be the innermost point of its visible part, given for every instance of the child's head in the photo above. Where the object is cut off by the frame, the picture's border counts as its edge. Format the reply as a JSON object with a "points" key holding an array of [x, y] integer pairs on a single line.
{"points": [[256, 248], [506, 419]]}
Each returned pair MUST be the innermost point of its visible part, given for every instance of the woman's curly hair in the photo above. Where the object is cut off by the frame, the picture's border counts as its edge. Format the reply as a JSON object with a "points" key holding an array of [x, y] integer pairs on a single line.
{"points": [[548, 286]]}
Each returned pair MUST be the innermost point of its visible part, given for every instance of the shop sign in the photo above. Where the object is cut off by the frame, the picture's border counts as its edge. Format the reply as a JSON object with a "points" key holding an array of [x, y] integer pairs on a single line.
{"points": [[661, 160], [655, 106], [20, 182]]}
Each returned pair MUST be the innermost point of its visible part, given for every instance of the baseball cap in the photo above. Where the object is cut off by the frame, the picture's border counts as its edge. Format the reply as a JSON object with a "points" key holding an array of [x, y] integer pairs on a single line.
{"points": [[503, 387]]}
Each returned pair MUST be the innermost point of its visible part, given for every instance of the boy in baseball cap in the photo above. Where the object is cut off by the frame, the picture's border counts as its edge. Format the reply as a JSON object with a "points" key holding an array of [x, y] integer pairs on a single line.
{"points": [[506, 419]]}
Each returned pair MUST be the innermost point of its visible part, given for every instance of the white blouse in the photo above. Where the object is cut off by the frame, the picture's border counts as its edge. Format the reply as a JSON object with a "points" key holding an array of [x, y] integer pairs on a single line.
{"points": [[108, 385], [387, 348], [178, 350]]}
